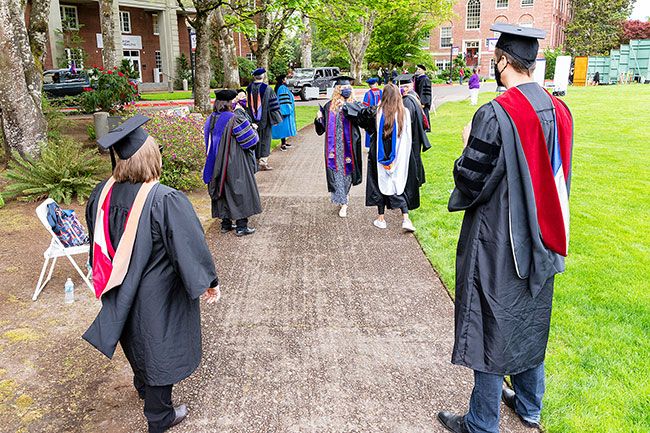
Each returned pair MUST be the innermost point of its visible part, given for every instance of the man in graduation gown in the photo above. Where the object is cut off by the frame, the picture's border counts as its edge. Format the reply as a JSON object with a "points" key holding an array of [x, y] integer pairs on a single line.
{"points": [[512, 181], [419, 124], [372, 98], [150, 266], [422, 86], [230, 165], [264, 108]]}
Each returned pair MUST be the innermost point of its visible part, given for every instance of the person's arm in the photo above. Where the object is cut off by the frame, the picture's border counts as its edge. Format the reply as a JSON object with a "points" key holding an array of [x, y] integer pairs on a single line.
{"points": [[361, 115], [320, 120], [275, 116], [285, 102], [244, 133]]}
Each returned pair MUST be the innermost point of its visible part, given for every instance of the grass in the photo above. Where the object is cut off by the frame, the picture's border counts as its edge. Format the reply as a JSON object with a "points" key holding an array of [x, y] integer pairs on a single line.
{"points": [[168, 96], [305, 115], [598, 359]]}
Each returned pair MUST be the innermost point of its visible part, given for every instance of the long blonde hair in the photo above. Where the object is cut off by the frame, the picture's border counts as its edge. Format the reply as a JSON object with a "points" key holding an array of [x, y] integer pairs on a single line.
{"points": [[144, 166], [338, 100], [391, 104]]}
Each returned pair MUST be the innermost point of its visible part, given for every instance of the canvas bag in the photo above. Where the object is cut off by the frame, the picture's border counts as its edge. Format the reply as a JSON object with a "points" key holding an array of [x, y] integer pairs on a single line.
{"points": [[66, 226]]}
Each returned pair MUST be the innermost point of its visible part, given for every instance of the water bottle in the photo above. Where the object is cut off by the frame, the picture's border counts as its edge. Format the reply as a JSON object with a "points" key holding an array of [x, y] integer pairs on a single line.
{"points": [[69, 291]]}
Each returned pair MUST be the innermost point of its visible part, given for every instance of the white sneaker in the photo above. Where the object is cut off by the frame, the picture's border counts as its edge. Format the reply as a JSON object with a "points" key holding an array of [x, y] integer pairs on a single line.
{"points": [[380, 224], [343, 212], [408, 226]]}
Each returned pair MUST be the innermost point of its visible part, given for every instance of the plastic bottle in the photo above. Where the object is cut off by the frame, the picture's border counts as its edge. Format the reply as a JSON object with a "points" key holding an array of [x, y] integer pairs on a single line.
{"points": [[69, 291]]}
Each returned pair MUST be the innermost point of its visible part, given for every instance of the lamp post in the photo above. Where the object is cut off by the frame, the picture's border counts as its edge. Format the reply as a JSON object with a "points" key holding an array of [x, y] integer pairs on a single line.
{"points": [[451, 54]]}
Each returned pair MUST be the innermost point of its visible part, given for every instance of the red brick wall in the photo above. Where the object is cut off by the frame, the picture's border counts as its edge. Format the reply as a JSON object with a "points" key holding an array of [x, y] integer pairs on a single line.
{"points": [[183, 37]]}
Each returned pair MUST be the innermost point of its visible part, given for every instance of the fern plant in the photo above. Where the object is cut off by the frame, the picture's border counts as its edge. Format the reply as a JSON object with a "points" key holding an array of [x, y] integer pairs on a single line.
{"points": [[64, 170]]}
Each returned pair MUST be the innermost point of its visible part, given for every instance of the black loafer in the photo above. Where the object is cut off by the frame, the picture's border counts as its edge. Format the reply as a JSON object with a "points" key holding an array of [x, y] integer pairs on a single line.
{"points": [[228, 229], [244, 232], [181, 413], [508, 397], [453, 423]]}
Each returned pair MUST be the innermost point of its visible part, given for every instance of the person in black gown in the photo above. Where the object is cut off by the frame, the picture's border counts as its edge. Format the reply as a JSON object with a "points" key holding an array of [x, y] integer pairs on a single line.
{"points": [[422, 86], [151, 265]]}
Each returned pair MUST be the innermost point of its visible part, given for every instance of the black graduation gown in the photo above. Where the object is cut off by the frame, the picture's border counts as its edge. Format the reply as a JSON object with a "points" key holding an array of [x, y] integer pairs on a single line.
{"points": [[500, 327], [155, 313], [321, 128], [240, 197], [419, 134], [270, 116], [423, 89]]}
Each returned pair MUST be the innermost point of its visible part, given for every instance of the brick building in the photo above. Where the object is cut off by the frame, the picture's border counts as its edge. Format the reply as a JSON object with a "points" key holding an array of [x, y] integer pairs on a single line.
{"points": [[468, 32], [154, 33]]}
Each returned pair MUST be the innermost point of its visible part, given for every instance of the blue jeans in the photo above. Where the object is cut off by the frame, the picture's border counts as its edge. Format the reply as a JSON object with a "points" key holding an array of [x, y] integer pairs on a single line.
{"points": [[484, 405]]}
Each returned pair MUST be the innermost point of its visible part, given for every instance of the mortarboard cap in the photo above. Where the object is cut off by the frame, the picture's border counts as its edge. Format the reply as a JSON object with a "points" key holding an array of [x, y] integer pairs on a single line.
{"points": [[226, 95], [404, 78], [343, 80], [424, 68], [259, 71], [520, 42], [127, 138], [372, 81]]}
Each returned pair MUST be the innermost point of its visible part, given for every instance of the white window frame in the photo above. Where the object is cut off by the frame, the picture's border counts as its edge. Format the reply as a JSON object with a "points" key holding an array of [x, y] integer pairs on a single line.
{"points": [[502, 7], [478, 27], [444, 63], [527, 3], [251, 57], [450, 36], [122, 27], [69, 57], [64, 17], [155, 24], [157, 60]]}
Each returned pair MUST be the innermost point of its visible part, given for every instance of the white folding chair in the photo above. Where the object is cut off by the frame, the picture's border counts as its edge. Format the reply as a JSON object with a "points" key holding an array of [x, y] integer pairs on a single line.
{"points": [[56, 250], [433, 105]]}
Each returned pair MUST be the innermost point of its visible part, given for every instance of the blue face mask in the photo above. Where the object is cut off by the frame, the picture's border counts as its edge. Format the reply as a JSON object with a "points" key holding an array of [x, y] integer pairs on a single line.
{"points": [[346, 93]]}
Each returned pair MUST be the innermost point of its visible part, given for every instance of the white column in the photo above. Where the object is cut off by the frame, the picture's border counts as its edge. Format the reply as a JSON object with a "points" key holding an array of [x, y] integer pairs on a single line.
{"points": [[54, 32], [169, 45]]}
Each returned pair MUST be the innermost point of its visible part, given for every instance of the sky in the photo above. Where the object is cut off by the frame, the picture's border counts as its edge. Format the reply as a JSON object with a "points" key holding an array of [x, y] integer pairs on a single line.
{"points": [[641, 10]]}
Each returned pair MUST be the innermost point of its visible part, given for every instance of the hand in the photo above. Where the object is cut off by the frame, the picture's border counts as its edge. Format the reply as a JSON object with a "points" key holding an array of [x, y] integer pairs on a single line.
{"points": [[319, 115], [466, 131], [254, 126], [212, 295]]}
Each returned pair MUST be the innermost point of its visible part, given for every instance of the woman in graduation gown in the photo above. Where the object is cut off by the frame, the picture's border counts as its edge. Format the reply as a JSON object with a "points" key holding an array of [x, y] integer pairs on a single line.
{"points": [[150, 266], [286, 128], [230, 166], [392, 179], [342, 143]]}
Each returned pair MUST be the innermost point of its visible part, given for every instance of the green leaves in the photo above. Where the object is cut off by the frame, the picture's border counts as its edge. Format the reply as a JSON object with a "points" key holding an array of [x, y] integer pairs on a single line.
{"points": [[596, 26]]}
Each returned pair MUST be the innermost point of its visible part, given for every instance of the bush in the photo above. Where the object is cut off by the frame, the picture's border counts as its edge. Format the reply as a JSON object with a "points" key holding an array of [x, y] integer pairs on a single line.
{"points": [[63, 171], [183, 151], [551, 56], [246, 67], [183, 72], [110, 91]]}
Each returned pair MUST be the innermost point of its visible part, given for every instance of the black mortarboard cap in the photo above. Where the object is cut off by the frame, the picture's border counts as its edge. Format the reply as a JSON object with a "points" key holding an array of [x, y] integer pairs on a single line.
{"points": [[404, 78], [343, 80], [226, 95], [127, 138], [520, 42], [424, 68], [259, 71]]}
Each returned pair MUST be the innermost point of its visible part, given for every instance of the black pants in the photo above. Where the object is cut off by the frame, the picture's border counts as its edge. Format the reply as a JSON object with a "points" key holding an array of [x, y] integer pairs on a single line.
{"points": [[158, 407], [226, 223], [394, 202], [283, 141]]}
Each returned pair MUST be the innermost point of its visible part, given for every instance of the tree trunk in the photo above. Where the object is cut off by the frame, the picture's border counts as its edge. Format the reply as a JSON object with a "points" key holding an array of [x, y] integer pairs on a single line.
{"points": [[22, 116], [202, 62], [38, 31], [231, 79], [306, 43], [357, 44], [109, 18]]}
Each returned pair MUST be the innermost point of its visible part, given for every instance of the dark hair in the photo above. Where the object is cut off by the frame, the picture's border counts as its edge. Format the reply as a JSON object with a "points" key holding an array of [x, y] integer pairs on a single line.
{"points": [[474, 70], [221, 106], [516, 64], [391, 104], [279, 81]]}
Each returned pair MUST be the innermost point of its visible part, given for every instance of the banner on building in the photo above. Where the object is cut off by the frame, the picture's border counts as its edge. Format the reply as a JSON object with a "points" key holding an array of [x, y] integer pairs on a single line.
{"points": [[491, 44], [129, 42]]}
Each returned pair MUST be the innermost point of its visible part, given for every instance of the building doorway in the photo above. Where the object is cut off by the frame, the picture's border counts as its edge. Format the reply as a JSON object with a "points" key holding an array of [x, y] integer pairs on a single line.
{"points": [[470, 49], [133, 56]]}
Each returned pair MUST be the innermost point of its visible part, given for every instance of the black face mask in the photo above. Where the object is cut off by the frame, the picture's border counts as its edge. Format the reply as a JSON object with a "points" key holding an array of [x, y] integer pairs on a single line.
{"points": [[497, 73]]}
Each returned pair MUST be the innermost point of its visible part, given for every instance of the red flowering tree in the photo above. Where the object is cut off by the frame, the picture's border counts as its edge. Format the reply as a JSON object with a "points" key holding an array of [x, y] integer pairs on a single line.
{"points": [[111, 91], [635, 29]]}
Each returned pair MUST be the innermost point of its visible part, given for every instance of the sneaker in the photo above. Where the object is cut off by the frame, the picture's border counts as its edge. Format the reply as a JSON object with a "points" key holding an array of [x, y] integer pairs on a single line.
{"points": [[265, 167], [288, 145], [380, 224], [343, 212], [244, 231], [408, 226], [283, 147], [225, 229]]}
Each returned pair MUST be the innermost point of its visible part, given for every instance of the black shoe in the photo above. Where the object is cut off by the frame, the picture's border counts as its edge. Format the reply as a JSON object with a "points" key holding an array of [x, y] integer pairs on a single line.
{"points": [[283, 148], [181, 413], [226, 229], [508, 397], [245, 231], [453, 423], [288, 145]]}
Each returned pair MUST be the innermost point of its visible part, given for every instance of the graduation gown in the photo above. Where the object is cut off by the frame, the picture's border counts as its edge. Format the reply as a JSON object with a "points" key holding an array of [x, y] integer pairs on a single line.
{"points": [[372, 98], [155, 313], [502, 319], [287, 127], [419, 134], [422, 86], [264, 109], [354, 143], [231, 185]]}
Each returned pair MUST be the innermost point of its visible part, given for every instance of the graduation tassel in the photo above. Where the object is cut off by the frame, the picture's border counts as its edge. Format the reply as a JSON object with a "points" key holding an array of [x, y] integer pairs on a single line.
{"points": [[112, 159]]}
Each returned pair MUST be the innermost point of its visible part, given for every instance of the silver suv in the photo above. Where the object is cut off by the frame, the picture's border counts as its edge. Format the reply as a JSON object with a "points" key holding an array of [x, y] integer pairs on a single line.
{"points": [[311, 77]]}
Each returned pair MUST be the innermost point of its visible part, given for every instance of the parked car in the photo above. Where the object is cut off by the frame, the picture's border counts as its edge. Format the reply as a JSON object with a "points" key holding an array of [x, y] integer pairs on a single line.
{"points": [[311, 77], [63, 82]]}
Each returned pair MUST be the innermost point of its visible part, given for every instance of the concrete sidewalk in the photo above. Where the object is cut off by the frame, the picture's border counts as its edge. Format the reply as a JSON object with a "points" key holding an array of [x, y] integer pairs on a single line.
{"points": [[326, 324]]}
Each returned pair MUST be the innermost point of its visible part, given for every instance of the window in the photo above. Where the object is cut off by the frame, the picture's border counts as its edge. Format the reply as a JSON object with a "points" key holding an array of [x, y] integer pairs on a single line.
{"points": [[75, 55], [156, 25], [502, 4], [492, 63], [442, 64], [69, 17], [445, 37], [158, 61], [526, 20], [125, 22], [474, 14], [527, 3], [251, 57]]}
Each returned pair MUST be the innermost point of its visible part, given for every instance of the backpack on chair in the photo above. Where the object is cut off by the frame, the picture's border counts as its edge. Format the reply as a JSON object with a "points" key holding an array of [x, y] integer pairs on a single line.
{"points": [[66, 226]]}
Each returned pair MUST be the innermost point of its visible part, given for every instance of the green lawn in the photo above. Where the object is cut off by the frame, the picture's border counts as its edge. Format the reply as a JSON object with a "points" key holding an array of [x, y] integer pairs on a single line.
{"points": [[168, 96], [598, 359], [305, 115]]}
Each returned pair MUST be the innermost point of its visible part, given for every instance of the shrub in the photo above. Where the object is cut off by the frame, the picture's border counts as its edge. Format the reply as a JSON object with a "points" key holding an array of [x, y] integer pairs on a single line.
{"points": [[183, 151], [183, 72], [246, 67], [111, 91], [63, 171]]}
